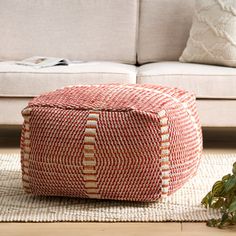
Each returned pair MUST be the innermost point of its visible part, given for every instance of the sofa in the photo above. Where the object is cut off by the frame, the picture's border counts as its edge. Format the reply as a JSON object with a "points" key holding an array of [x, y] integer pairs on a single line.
{"points": [[118, 41]]}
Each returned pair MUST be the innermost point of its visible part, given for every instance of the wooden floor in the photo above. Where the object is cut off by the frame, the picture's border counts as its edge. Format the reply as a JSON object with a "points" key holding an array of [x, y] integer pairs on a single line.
{"points": [[215, 141]]}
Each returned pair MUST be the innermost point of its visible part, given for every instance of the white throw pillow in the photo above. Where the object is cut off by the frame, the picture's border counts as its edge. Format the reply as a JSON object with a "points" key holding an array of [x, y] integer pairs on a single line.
{"points": [[213, 34]]}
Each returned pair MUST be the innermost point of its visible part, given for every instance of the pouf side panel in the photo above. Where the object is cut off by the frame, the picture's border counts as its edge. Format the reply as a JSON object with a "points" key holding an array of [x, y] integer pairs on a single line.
{"points": [[56, 154], [192, 108], [185, 143], [127, 150], [181, 138], [50, 139]]}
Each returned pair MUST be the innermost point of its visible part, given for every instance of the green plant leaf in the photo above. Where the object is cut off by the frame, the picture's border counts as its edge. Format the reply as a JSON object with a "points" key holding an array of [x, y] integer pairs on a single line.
{"points": [[223, 197], [218, 203], [206, 200], [224, 220], [234, 169], [234, 218], [230, 184], [226, 177], [213, 222], [232, 206], [217, 188]]}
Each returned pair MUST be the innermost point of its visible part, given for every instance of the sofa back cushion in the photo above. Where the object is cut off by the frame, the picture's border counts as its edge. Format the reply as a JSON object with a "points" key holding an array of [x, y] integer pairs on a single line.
{"points": [[75, 29], [163, 29]]}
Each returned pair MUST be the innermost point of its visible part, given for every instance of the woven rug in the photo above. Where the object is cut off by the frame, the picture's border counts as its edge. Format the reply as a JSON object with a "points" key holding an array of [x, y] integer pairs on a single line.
{"points": [[184, 205]]}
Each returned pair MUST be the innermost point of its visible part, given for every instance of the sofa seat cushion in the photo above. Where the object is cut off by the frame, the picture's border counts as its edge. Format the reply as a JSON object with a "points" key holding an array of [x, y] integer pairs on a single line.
{"points": [[205, 81], [25, 81]]}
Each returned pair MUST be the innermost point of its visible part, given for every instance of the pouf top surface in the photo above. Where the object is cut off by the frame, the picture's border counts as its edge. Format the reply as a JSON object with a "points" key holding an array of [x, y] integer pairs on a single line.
{"points": [[111, 97]]}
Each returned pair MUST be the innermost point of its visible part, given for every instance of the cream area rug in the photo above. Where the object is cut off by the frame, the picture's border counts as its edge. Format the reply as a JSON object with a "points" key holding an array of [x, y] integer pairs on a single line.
{"points": [[184, 205]]}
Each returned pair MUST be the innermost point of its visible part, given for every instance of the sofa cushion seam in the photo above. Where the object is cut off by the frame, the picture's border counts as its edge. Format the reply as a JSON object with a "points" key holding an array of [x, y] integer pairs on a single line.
{"points": [[63, 73], [140, 75]]}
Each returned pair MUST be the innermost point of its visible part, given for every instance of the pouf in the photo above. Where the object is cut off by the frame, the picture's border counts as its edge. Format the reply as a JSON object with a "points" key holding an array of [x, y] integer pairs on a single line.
{"points": [[124, 142]]}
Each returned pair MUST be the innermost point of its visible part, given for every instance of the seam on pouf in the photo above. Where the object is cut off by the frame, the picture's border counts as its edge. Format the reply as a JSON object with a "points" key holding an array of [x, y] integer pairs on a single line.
{"points": [[26, 149], [89, 157], [165, 152]]}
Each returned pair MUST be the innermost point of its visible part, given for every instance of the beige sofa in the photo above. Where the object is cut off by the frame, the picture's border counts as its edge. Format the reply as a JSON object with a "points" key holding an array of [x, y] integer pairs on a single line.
{"points": [[120, 41]]}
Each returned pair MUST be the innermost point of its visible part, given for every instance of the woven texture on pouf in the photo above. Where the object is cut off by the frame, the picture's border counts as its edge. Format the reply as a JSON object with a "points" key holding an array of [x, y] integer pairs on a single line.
{"points": [[124, 142]]}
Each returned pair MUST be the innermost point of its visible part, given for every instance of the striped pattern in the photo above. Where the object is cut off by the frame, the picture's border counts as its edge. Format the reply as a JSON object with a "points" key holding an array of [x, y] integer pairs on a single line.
{"points": [[164, 152], [89, 160], [125, 142], [25, 150]]}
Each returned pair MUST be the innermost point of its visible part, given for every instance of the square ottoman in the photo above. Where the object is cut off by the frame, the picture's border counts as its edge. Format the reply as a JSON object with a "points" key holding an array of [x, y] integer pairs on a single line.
{"points": [[123, 142]]}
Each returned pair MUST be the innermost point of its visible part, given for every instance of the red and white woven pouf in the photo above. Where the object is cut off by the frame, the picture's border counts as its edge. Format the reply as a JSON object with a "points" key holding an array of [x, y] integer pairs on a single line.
{"points": [[124, 142]]}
